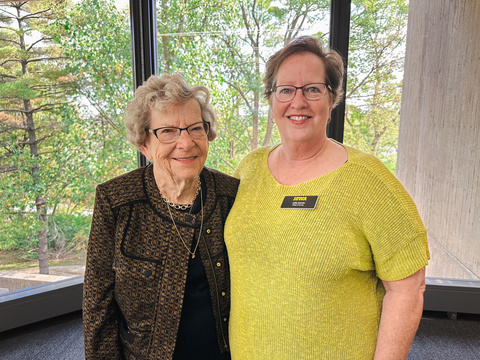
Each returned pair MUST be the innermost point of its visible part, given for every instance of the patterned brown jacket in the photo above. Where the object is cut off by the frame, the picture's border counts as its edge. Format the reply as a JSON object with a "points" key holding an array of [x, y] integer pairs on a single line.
{"points": [[137, 267]]}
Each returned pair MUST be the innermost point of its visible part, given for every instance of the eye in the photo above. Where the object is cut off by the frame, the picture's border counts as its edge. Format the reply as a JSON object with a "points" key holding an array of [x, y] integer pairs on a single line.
{"points": [[196, 127], [313, 89], [166, 131], [284, 90]]}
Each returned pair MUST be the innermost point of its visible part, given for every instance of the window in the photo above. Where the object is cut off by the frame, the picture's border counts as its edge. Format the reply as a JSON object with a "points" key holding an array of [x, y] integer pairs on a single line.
{"points": [[220, 47], [421, 153], [438, 142], [66, 76], [375, 72], [225, 49]]}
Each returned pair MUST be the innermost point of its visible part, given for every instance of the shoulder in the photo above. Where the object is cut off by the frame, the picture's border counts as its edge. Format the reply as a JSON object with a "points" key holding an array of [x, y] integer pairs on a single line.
{"points": [[259, 153], [126, 188], [367, 167], [377, 190], [224, 185], [254, 161], [362, 159]]}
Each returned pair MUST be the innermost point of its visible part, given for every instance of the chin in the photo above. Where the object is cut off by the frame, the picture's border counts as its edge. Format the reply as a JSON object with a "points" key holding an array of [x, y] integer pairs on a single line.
{"points": [[300, 137], [187, 174]]}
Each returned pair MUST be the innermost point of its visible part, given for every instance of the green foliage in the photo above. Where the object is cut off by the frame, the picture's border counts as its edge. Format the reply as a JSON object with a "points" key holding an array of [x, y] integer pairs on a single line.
{"points": [[79, 80], [32, 88], [376, 56], [18, 231], [67, 232], [224, 45], [95, 36], [73, 138]]}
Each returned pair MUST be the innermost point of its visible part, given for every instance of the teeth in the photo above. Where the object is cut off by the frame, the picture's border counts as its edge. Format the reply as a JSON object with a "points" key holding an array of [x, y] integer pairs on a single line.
{"points": [[298, 118], [186, 159]]}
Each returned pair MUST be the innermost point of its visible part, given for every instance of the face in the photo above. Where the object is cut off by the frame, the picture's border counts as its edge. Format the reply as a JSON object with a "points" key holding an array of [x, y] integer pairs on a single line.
{"points": [[301, 120], [182, 160]]}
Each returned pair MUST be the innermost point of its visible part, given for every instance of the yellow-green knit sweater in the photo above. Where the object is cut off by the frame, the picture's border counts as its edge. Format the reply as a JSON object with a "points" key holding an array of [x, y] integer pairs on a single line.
{"points": [[306, 283]]}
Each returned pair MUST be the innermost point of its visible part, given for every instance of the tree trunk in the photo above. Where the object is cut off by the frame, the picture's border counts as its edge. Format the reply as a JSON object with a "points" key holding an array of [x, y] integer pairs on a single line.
{"points": [[268, 133], [40, 203], [42, 235], [255, 121], [232, 149], [256, 95]]}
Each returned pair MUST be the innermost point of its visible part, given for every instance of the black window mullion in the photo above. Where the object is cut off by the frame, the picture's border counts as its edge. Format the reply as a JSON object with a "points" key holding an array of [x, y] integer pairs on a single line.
{"points": [[143, 18], [339, 40]]}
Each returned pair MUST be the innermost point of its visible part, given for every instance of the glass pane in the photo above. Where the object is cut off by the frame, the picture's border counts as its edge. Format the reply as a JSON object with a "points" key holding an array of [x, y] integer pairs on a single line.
{"points": [[439, 149], [225, 48], [65, 80], [375, 72], [375, 79]]}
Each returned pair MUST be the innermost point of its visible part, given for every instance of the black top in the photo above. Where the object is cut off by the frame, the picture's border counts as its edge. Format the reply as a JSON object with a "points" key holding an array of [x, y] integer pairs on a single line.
{"points": [[197, 338]]}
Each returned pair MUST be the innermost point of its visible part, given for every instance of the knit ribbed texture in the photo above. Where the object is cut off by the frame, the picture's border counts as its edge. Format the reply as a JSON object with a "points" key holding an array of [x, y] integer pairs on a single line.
{"points": [[304, 282]]}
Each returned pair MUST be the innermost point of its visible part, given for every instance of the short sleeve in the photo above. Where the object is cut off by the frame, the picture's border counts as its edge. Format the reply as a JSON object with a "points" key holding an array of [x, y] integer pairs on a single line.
{"points": [[392, 225], [405, 261]]}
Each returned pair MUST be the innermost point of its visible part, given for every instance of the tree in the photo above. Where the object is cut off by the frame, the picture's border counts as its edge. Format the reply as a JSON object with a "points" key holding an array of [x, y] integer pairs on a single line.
{"points": [[64, 82], [224, 45], [269, 26], [376, 57], [95, 38], [33, 86]]}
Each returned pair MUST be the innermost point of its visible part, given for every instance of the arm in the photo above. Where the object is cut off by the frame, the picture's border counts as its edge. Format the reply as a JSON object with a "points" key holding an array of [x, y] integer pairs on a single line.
{"points": [[401, 313], [99, 314]]}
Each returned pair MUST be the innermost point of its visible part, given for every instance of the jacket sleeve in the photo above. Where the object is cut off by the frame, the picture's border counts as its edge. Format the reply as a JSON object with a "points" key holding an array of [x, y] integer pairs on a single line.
{"points": [[100, 316]]}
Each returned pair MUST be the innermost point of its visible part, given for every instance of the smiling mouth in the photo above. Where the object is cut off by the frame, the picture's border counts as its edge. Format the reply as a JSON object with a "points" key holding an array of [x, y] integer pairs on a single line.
{"points": [[298, 118], [185, 159]]}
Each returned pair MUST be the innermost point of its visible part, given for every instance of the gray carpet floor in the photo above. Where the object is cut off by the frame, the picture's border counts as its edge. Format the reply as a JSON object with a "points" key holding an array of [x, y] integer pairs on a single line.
{"points": [[441, 338], [61, 338]]}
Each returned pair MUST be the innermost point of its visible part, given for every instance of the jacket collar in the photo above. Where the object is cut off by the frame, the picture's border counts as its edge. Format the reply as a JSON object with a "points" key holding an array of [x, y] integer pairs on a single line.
{"points": [[181, 217]]}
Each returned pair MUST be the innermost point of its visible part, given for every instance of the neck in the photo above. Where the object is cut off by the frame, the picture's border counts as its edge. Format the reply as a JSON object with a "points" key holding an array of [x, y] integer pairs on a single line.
{"points": [[178, 191], [291, 165], [301, 152]]}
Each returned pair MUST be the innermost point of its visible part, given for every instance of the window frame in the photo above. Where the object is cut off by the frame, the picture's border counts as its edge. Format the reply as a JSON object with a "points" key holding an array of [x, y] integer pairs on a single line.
{"points": [[40, 302], [25, 306]]}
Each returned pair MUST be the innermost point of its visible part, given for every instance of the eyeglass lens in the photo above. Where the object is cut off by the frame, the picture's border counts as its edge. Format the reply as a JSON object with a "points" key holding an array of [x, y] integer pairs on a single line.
{"points": [[286, 93], [172, 134]]}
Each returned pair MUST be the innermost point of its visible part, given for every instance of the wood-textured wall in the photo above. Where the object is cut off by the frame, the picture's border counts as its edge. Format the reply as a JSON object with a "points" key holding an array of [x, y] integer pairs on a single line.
{"points": [[439, 141]]}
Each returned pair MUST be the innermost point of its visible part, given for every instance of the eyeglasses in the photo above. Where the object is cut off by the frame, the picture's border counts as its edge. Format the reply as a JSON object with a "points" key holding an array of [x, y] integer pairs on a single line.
{"points": [[171, 134], [315, 91]]}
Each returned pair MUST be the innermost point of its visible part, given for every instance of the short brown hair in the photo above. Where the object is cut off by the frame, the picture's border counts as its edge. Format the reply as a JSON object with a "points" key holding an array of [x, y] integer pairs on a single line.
{"points": [[160, 92], [307, 44]]}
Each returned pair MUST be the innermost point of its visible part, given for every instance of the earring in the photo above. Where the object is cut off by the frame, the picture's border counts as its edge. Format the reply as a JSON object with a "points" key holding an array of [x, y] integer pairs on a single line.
{"points": [[272, 120]]}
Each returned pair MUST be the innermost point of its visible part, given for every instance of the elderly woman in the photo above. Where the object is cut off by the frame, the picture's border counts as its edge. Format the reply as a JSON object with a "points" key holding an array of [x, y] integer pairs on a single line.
{"points": [[157, 277], [327, 250]]}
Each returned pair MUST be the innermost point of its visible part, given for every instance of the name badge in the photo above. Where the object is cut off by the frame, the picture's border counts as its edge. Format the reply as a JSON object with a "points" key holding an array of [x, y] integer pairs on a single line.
{"points": [[299, 202]]}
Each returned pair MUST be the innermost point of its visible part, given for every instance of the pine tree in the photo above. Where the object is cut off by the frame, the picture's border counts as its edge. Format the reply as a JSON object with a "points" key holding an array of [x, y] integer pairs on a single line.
{"points": [[33, 88]]}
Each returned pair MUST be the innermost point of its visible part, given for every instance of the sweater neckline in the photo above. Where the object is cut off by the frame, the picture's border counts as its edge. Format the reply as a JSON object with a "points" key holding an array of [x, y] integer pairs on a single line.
{"points": [[323, 177]]}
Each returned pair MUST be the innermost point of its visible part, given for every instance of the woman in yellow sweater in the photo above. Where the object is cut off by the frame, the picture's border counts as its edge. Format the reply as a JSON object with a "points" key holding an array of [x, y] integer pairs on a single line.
{"points": [[327, 250]]}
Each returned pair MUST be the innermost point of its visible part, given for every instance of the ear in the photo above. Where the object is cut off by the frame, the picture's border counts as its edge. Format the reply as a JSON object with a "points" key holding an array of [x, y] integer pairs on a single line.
{"points": [[146, 151]]}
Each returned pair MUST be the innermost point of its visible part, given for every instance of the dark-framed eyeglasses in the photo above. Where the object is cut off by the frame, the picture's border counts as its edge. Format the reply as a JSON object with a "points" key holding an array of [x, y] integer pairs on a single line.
{"points": [[314, 91], [171, 134]]}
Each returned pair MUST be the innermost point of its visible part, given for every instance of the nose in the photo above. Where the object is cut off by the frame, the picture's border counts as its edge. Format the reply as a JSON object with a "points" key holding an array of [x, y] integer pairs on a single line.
{"points": [[185, 140], [298, 100]]}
